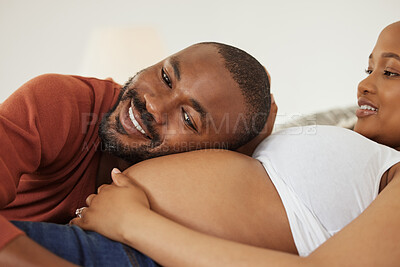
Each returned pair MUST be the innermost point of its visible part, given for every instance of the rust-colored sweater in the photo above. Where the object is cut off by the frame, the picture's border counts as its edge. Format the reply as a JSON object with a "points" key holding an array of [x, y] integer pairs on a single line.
{"points": [[50, 148]]}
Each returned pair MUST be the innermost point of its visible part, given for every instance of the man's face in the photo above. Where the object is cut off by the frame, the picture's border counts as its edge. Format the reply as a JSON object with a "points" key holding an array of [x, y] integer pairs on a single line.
{"points": [[188, 101]]}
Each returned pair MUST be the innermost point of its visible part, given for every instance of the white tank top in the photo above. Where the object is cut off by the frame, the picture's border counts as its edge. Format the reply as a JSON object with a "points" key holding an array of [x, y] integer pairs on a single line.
{"points": [[326, 176]]}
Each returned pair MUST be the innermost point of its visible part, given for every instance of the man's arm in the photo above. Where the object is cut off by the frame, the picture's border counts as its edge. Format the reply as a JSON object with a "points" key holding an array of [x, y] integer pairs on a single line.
{"points": [[20, 149], [30, 126], [39, 124], [27, 119], [24, 252]]}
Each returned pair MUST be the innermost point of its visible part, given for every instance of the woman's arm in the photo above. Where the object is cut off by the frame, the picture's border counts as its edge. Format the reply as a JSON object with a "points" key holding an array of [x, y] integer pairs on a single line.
{"points": [[370, 240]]}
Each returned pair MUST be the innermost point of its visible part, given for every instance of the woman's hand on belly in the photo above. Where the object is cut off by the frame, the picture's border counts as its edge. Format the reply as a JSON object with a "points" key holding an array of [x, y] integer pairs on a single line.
{"points": [[115, 209]]}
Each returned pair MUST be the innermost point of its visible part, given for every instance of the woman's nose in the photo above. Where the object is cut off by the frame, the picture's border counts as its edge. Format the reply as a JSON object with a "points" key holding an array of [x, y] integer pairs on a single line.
{"points": [[367, 86]]}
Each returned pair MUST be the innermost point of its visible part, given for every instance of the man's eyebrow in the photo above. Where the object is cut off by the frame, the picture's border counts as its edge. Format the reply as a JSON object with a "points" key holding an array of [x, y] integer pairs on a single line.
{"points": [[391, 55], [175, 66], [199, 108]]}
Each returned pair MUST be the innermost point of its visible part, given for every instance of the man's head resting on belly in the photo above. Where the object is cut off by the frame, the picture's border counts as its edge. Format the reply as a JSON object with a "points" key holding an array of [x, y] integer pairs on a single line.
{"points": [[209, 95]]}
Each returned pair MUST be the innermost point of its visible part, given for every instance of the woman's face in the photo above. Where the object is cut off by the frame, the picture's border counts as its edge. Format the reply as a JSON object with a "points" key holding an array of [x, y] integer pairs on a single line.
{"points": [[379, 93]]}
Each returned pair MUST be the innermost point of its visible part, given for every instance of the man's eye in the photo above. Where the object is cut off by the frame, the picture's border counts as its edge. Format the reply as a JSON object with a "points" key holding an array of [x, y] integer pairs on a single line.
{"points": [[188, 120], [166, 78], [367, 71], [390, 74]]}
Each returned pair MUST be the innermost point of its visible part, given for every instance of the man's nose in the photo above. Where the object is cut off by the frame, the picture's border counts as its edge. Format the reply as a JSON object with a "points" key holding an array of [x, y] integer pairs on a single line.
{"points": [[159, 106], [367, 86]]}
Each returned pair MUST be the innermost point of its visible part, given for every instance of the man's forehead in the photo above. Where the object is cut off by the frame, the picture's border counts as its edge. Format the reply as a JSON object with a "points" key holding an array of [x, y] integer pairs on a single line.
{"points": [[197, 53], [210, 83], [199, 65]]}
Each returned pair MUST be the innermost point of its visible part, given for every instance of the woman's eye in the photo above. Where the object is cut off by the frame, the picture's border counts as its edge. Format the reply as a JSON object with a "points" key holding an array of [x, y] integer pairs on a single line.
{"points": [[166, 78], [367, 71], [188, 120], [390, 74]]}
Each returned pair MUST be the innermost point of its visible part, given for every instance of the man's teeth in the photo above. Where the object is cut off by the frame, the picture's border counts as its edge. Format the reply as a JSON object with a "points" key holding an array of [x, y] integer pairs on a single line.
{"points": [[366, 107], [134, 121]]}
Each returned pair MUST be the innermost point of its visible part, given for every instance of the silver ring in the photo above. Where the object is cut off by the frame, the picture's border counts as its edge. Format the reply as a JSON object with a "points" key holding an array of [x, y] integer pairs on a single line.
{"points": [[78, 212]]}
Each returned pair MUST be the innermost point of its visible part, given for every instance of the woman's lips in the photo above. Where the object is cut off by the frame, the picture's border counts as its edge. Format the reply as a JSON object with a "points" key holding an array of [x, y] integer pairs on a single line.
{"points": [[366, 108], [362, 113]]}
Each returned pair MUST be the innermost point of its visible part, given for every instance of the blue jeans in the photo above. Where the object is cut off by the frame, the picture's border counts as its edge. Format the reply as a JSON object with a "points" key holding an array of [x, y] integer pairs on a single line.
{"points": [[84, 248]]}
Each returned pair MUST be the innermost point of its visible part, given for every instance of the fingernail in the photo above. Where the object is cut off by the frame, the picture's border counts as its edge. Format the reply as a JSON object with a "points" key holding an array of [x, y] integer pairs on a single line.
{"points": [[116, 170], [272, 99]]}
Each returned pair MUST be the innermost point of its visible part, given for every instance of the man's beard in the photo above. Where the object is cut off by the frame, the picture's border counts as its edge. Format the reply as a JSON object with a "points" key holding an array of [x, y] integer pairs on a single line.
{"points": [[131, 153]]}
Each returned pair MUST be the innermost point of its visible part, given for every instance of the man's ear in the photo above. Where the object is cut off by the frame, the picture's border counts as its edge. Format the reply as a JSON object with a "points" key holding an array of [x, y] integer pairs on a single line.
{"points": [[269, 125], [269, 76], [249, 148]]}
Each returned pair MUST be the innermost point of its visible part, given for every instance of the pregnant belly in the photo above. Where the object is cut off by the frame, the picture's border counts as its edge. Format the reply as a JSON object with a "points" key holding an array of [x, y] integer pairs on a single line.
{"points": [[220, 193]]}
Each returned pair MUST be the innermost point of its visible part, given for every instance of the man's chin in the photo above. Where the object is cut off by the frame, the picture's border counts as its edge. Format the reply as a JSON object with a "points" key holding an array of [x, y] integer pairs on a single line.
{"points": [[129, 153], [121, 145]]}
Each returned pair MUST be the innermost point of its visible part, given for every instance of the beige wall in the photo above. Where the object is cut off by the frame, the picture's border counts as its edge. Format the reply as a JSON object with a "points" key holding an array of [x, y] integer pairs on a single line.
{"points": [[316, 50]]}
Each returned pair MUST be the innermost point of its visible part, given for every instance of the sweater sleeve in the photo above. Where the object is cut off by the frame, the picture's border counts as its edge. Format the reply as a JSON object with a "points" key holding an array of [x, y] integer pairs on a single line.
{"points": [[37, 123]]}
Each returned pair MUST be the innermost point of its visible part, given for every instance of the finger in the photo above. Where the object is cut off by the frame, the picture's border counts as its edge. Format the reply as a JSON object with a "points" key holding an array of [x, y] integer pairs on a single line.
{"points": [[119, 178], [100, 187], [79, 211], [81, 222], [79, 215], [89, 199], [74, 221]]}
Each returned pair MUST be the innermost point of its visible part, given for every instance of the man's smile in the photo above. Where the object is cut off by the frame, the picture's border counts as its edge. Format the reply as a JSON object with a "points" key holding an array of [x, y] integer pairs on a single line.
{"points": [[131, 121], [135, 122]]}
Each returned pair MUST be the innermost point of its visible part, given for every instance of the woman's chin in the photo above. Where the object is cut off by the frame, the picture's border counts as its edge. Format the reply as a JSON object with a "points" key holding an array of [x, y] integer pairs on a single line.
{"points": [[365, 131]]}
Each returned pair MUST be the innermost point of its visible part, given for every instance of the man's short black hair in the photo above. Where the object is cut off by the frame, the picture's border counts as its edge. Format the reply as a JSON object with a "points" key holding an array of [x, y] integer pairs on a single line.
{"points": [[254, 83]]}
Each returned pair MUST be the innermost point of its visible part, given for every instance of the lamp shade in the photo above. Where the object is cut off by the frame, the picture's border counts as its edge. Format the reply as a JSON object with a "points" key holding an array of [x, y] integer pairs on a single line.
{"points": [[119, 53]]}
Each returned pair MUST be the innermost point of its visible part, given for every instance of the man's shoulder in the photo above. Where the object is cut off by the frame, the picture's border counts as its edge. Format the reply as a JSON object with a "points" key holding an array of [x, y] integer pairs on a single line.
{"points": [[69, 83], [49, 97], [65, 92]]}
